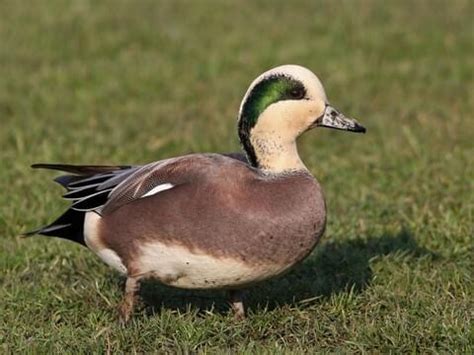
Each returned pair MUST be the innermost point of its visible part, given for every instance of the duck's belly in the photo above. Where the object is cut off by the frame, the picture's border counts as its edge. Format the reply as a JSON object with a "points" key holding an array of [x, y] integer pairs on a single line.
{"points": [[190, 267], [179, 267]]}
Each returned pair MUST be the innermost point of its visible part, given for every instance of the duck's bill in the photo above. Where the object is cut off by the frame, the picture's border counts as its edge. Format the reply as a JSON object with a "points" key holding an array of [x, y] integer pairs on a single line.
{"points": [[332, 118]]}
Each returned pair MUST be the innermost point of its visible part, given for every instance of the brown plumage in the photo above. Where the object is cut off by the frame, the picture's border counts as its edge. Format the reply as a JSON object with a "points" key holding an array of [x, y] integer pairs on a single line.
{"points": [[262, 219], [210, 220]]}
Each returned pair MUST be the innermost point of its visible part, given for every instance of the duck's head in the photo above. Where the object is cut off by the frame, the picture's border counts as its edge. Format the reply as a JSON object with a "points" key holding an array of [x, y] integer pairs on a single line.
{"points": [[278, 107]]}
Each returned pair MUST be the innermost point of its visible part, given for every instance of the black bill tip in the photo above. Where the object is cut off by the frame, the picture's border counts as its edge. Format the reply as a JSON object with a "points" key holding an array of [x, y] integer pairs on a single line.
{"points": [[358, 128]]}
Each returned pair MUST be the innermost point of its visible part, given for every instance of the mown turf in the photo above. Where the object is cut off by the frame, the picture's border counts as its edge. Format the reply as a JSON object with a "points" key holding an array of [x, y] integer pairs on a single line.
{"points": [[136, 81]]}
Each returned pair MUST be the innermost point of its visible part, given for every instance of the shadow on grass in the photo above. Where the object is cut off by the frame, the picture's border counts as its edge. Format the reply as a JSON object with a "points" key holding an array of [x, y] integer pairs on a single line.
{"points": [[334, 267]]}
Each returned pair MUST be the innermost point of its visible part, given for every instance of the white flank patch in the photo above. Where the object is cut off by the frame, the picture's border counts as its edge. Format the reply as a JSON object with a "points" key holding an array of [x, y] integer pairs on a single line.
{"points": [[111, 258], [159, 188], [91, 232], [178, 266], [91, 238]]}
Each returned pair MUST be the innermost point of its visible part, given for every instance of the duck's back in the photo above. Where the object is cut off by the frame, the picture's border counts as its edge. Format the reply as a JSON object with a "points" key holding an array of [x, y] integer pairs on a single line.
{"points": [[220, 224]]}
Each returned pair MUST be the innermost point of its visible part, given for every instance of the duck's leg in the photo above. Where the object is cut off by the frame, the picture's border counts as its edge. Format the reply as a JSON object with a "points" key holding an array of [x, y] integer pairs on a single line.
{"points": [[129, 299], [236, 298]]}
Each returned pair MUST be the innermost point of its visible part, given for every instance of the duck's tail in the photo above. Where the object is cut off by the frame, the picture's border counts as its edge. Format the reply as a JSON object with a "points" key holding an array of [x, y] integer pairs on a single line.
{"points": [[70, 225]]}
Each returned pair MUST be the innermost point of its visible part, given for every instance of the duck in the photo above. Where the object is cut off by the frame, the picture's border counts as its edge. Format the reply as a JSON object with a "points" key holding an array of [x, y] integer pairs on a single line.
{"points": [[222, 221]]}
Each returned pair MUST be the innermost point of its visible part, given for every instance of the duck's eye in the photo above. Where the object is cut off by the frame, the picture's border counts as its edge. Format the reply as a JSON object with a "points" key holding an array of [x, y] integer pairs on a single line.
{"points": [[297, 93]]}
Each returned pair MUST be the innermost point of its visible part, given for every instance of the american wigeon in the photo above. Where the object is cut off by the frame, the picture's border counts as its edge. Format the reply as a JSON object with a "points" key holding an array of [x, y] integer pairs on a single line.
{"points": [[210, 221]]}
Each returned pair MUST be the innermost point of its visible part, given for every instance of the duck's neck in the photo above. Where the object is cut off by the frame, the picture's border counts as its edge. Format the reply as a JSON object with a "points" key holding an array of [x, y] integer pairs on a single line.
{"points": [[273, 153]]}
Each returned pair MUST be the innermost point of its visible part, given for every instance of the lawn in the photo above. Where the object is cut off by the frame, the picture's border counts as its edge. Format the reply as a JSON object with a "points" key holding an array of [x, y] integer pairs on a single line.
{"points": [[117, 82]]}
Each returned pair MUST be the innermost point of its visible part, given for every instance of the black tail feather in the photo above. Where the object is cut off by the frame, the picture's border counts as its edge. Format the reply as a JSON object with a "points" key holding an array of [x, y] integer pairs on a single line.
{"points": [[47, 230], [81, 183], [70, 225]]}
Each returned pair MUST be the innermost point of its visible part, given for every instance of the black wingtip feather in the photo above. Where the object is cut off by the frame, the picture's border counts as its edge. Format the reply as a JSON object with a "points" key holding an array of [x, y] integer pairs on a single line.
{"points": [[77, 194], [80, 169], [66, 180], [89, 181], [91, 202]]}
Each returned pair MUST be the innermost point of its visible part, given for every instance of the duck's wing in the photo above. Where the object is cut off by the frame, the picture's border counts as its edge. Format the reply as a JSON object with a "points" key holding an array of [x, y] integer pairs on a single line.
{"points": [[153, 178], [150, 179], [104, 189]]}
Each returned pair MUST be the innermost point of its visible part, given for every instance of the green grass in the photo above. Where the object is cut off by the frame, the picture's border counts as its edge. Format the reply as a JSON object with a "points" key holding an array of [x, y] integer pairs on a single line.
{"points": [[137, 81]]}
